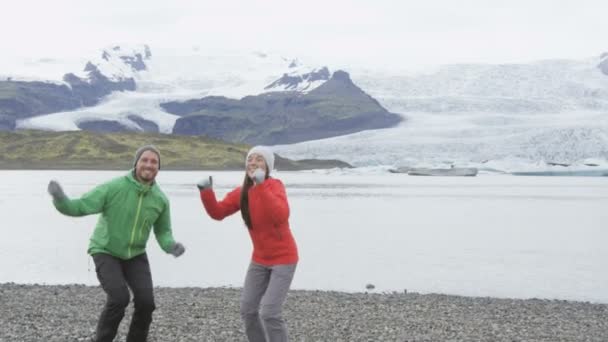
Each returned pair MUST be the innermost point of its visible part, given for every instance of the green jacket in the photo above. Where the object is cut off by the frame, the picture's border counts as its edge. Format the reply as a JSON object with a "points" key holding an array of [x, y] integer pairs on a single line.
{"points": [[128, 210]]}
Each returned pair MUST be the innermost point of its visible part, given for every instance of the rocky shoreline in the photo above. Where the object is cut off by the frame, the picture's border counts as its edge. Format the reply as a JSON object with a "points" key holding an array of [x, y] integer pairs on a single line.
{"points": [[69, 313]]}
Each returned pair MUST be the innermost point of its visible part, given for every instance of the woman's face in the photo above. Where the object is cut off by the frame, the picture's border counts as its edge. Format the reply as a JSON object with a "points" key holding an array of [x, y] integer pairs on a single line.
{"points": [[255, 161]]}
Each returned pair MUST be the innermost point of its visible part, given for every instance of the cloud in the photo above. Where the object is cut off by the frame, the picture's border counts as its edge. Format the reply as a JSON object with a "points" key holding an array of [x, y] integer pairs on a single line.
{"points": [[432, 31]]}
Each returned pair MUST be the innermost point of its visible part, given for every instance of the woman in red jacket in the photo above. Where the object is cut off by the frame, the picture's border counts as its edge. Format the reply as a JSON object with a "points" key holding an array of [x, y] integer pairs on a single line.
{"points": [[263, 204]]}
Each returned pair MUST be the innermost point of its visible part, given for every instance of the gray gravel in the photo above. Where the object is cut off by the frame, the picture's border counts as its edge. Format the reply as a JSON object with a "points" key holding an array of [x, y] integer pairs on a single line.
{"points": [[69, 313]]}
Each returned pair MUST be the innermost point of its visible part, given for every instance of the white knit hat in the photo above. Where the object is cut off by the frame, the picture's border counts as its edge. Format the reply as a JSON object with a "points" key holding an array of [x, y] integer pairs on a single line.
{"points": [[264, 152]]}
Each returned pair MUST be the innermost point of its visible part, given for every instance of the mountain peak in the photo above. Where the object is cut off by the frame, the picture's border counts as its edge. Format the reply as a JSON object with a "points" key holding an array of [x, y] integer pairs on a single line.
{"points": [[120, 58], [294, 63], [302, 82], [341, 75], [114, 70], [340, 83], [118, 63]]}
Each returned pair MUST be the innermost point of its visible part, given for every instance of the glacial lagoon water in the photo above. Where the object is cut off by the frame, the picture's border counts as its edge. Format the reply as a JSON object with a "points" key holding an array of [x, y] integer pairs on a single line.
{"points": [[490, 235]]}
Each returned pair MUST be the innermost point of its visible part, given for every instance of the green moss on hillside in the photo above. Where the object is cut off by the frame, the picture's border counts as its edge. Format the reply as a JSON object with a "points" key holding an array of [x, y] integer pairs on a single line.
{"points": [[115, 151]]}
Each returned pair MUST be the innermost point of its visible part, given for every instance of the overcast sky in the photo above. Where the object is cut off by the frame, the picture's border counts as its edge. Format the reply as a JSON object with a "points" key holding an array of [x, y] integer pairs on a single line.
{"points": [[375, 32]]}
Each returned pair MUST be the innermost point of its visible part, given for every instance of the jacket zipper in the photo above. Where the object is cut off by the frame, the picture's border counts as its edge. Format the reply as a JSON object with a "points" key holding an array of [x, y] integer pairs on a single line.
{"points": [[141, 197], [143, 228]]}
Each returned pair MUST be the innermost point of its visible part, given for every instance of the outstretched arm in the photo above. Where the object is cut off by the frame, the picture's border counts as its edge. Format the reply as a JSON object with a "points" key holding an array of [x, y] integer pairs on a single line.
{"points": [[90, 203], [218, 210]]}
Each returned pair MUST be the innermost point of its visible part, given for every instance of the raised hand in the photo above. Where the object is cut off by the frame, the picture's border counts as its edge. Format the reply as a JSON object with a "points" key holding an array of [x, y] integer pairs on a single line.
{"points": [[259, 176], [205, 183], [56, 191]]}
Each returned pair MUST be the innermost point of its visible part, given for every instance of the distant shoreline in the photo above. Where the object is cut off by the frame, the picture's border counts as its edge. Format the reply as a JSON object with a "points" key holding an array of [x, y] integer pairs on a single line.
{"points": [[83, 150], [294, 166], [69, 312], [101, 168], [128, 167]]}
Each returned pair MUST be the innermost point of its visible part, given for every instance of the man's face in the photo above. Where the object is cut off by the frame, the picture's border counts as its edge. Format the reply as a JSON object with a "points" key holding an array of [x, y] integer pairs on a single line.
{"points": [[147, 167], [255, 161]]}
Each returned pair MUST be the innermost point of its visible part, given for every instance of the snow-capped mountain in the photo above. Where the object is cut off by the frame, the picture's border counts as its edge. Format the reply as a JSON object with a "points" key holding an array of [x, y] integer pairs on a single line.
{"points": [[300, 81], [23, 97], [171, 76], [509, 117], [335, 107], [270, 86], [506, 116], [117, 63]]}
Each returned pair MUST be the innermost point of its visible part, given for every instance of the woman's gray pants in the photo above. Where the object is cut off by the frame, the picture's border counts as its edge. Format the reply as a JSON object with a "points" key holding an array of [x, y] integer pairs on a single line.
{"points": [[262, 300]]}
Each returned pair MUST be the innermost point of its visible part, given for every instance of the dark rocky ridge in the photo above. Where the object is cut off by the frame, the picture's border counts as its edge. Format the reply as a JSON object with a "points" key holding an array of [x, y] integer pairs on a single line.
{"points": [[336, 107]]}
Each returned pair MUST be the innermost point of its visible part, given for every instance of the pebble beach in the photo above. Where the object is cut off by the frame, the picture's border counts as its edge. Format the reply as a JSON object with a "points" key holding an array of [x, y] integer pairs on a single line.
{"points": [[69, 313]]}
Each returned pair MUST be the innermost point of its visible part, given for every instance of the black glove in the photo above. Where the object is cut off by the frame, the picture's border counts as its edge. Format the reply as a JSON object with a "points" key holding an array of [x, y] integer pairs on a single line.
{"points": [[205, 183], [56, 191]]}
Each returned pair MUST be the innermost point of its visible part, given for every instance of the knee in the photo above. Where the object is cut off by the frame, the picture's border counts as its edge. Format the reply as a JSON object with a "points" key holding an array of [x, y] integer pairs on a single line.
{"points": [[118, 297], [145, 304], [271, 313], [248, 310]]}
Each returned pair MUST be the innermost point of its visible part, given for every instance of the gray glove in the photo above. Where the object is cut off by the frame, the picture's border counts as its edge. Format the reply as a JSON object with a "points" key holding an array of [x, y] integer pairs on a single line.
{"points": [[56, 191], [205, 183], [259, 176], [177, 249]]}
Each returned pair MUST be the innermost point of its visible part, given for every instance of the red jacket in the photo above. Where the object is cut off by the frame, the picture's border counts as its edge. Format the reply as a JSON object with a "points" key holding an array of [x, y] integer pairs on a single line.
{"points": [[273, 243]]}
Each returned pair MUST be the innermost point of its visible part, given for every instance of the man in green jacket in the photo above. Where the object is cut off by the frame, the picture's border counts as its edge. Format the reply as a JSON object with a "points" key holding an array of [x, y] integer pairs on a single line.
{"points": [[130, 207]]}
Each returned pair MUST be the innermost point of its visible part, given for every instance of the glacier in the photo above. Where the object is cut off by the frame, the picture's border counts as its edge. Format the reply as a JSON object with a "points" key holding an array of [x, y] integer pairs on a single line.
{"points": [[496, 117], [507, 117]]}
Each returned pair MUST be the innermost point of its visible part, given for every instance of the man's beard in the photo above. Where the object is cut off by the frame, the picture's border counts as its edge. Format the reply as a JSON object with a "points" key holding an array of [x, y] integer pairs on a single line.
{"points": [[142, 175]]}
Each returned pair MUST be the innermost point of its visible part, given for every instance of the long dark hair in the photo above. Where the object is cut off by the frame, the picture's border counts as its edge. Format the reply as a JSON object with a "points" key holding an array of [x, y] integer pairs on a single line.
{"points": [[247, 184]]}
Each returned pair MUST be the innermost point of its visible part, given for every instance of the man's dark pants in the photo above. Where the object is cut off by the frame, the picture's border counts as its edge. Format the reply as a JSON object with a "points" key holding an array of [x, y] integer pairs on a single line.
{"points": [[116, 276]]}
